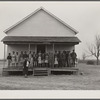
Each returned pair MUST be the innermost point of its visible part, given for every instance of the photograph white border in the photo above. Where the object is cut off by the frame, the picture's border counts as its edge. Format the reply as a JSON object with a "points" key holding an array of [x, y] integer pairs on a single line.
{"points": [[50, 94]]}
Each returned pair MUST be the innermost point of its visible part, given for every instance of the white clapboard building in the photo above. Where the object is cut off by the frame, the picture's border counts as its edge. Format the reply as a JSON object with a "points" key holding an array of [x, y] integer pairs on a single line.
{"points": [[40, 31]]}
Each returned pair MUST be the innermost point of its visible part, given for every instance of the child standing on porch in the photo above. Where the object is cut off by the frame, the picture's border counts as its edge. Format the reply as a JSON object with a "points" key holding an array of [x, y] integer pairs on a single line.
{"points": [[17, 59], [13, 59], [55, 61], [39, 59], [46, 60], [21, 58], [31, 60]]}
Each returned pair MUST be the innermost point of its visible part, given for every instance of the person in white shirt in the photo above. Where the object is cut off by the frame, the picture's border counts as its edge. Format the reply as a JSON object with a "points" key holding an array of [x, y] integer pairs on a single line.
{"points": [[13, 59]]}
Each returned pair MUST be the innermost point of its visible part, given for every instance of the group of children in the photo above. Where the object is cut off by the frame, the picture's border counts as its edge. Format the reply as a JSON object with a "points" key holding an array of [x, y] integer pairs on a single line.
{"points": [[58, 59]]}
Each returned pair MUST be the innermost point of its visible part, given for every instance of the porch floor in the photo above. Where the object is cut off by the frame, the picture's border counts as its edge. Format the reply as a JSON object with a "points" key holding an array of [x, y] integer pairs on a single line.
{"points": [[50, 70]]}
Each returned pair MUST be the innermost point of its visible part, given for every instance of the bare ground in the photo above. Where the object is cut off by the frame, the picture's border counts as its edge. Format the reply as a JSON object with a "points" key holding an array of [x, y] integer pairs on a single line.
{"points": [[90, 80]]}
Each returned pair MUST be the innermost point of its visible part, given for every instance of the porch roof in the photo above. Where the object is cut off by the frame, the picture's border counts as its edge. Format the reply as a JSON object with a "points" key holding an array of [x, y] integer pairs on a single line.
{"points": [[28, 39]]}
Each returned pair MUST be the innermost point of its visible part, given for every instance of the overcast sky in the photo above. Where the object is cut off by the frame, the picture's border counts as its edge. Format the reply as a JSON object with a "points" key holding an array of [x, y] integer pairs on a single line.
{"points": [[83, 16]]}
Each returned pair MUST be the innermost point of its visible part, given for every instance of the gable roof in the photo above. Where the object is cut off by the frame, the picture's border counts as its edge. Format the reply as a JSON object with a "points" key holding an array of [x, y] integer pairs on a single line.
{"points": [[41, 8]]}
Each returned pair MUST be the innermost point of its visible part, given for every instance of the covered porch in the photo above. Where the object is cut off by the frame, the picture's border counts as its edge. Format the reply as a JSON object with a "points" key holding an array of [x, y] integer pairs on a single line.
{"points": [[36, 44]]}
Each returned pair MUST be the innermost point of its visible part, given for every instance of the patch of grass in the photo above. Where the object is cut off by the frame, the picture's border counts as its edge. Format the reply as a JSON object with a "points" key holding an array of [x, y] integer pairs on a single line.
{"points": [[90, 80]]}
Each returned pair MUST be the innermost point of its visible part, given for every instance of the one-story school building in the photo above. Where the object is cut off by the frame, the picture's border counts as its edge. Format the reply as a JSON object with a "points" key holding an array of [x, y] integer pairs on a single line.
{"points": [[40, 31]]}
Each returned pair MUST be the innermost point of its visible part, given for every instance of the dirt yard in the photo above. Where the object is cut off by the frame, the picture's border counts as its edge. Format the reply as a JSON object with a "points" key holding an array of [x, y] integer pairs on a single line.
{"points": [[90, 80]]}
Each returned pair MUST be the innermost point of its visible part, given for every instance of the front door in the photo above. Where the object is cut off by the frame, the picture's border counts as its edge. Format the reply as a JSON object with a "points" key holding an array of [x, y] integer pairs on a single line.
{"points": [[41, 48]]}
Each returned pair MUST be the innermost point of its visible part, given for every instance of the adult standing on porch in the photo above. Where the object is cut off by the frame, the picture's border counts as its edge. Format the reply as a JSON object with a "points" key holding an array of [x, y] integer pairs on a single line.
{"points": [[25, 55], [35, 60], [9, 59], [73, 56], [67, 58], [50, 59], [70, 59], [25, 67], [59, 59], [43, 59], [63, 59]]}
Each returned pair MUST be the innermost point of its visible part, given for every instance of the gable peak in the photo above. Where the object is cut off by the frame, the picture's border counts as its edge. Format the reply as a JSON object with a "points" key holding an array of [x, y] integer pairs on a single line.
{"points": [[41, 8]]}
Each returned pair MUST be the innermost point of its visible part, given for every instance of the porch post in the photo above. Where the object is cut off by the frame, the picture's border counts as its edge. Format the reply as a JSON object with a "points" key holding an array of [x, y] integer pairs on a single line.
{"points": [[53, 54], [4, 55], [46, 48], [29, 47], [35, 48]]}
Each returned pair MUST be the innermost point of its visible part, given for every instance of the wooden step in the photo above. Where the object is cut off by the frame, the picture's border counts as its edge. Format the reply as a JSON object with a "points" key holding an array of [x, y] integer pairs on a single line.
{"points": [[40, 72]]}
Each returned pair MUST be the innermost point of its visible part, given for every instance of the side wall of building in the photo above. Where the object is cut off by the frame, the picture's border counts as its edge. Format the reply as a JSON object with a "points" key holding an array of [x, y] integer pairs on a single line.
{"points": [[60, 47], [33, 47], [20, 47]]}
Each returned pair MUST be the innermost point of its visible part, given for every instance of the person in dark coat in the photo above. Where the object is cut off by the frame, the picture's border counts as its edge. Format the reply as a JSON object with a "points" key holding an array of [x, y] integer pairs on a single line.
{"points": [[73, 56], [25, 55], [63, 59], [59, 59], [43, 59], [9, 58], [25, 67], [50, 59], [67, 58], [35, 60]]}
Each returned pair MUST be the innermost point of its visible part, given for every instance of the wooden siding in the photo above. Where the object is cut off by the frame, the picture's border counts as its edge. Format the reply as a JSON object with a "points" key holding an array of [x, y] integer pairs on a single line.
{"points": [[41, 24]]}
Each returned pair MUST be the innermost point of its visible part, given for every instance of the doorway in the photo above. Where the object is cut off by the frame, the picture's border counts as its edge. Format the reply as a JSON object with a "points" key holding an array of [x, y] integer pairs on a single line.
{"points": [[41, 48]]}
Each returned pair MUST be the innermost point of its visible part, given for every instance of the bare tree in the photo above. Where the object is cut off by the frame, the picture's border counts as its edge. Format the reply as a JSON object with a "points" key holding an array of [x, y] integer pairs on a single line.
{"points": [[94, 48], [84, 56]]}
